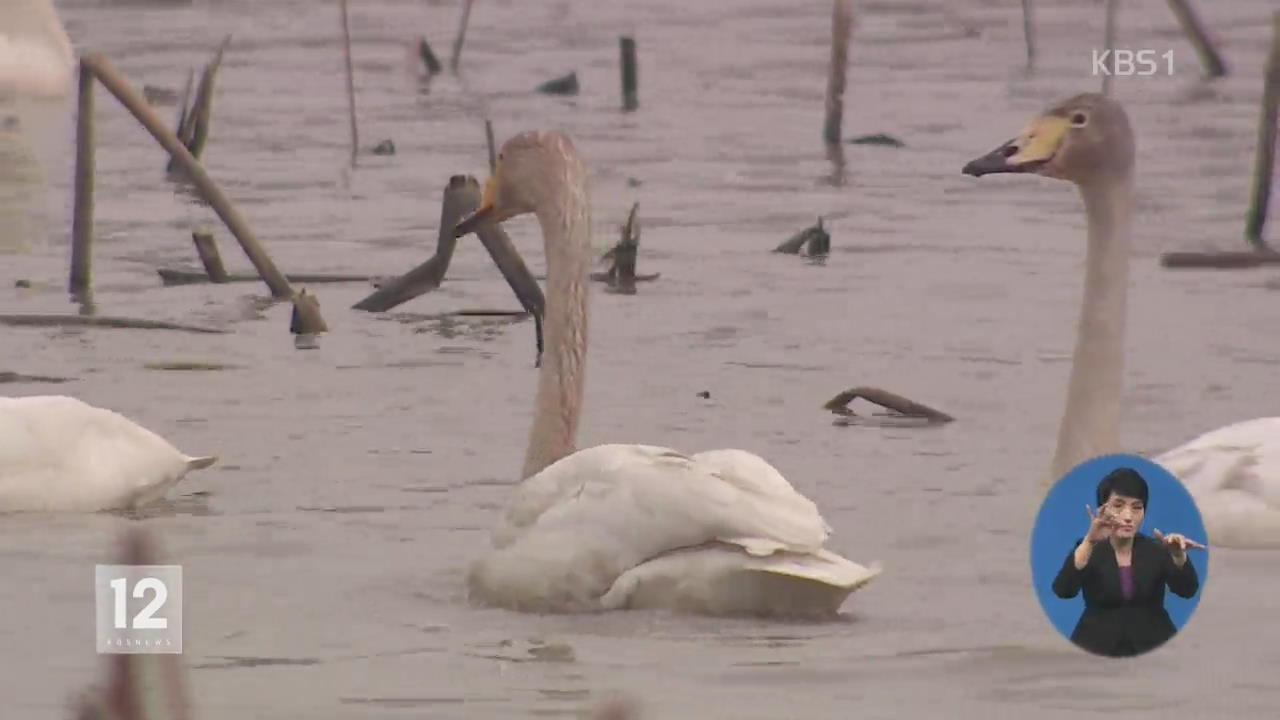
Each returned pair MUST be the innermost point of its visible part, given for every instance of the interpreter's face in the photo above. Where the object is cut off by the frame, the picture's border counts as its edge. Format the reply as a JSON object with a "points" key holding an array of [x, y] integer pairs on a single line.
{"points": [[1126, 513]]}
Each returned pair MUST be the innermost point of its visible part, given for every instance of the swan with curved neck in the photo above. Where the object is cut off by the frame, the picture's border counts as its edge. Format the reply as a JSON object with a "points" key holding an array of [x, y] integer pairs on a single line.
{"points": [[36, 56], [59, 454], [1232, 472], [622, 526]]}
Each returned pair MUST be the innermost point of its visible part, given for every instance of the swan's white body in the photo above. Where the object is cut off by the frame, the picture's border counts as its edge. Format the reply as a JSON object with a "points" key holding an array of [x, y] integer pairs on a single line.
{"points": [[36, 56], [636, 526], [1233, 473], [633, 526], [59, 454]]}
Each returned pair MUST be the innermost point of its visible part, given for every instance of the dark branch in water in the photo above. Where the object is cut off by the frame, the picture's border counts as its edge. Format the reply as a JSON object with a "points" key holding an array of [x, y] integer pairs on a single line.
{"points": [[891, 401], [428, 57], [39, 320], [1226, 260], [815, 239], [621, 276], [13, 377]]}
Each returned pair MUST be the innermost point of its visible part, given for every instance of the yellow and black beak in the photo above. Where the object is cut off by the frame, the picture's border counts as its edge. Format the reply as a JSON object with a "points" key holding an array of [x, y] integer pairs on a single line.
{"points": [[1028, 152], [484, 213]]}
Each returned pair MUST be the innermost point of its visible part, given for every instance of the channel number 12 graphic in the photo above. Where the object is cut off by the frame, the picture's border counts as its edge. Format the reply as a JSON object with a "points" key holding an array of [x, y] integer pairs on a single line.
{"points": [[139, 608]]}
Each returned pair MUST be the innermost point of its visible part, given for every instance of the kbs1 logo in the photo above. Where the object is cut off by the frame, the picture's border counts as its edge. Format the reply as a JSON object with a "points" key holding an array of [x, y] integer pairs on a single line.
{"points": [[1127, 63]]}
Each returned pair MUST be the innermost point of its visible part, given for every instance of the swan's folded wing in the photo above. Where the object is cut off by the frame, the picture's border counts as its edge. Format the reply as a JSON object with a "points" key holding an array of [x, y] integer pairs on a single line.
{"points": [[1244, 456], [641, 501]]}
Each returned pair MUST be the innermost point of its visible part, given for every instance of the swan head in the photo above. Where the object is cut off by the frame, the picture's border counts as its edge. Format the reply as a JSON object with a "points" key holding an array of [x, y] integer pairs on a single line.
{"points": [[531, 172], [1079, 139]]}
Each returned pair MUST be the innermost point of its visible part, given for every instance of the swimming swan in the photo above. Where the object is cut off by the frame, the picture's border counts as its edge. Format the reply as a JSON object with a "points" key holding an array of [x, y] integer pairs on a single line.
{"points": [[633, 526], [36, 57], [1232, 472], [59, 454]]}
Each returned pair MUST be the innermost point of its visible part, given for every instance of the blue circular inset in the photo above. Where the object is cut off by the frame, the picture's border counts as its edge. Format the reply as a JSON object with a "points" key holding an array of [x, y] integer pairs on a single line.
{"points": [[1063, 521]]}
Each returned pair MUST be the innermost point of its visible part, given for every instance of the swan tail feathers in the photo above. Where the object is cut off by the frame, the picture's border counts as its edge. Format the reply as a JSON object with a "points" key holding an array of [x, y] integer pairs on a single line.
{"points": [[200, 463]]}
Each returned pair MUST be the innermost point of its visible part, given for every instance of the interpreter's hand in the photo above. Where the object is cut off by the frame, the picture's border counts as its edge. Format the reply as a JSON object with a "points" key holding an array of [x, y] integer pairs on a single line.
{"points": [[1100, 525], [1177, 544]]}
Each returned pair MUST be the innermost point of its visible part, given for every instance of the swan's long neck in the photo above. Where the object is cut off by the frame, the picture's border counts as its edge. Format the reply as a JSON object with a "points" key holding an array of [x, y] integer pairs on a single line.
{"points": [[566, 232], [1091, 423]]}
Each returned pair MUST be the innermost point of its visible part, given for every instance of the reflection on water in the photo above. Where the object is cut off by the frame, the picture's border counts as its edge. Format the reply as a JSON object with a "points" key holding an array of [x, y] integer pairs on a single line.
{"points": [[28, 150]]}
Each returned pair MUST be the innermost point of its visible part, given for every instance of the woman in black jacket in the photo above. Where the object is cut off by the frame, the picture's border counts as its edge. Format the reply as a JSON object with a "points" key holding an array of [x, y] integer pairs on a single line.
{"points": [[1124, 573]]}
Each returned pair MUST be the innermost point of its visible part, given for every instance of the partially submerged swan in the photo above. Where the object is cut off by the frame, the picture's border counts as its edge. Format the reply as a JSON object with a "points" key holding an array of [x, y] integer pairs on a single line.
{"points": [[633, 526], [1232, 472], [36, 56], [59, 454]]}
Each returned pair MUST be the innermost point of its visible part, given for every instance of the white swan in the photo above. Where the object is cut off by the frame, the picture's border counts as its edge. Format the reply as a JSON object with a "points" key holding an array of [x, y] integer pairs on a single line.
{"points": [[36, 56], [59, 454], [633, 526], [1232, 472]]}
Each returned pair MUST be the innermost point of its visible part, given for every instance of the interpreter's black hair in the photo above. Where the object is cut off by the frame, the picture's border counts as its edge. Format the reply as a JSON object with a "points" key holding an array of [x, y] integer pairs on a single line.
{"points": [[1122, 481]]}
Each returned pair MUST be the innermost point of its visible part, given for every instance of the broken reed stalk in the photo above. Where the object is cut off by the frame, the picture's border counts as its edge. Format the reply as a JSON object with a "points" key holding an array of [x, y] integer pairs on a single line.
{"points": [[523, 283], [1212, 61], [456, 57], [488, 138], [630, 76], [207, 249], [193, 125], [884, 398], [841, 29], [1029, 34], [186, 101], [1265, 159], [1109, 40], [209, 190], [351, 82], [461, 196], [305, 319], [621, 276], [82, 220], [428, 56]]}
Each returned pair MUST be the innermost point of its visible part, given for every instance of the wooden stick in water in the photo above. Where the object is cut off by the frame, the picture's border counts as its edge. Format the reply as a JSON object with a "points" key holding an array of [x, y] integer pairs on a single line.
{"points": [[630, 76], [884, 398], [207, 249], [351, 82], [209, 190], [841, 29], [462, 34], [1265, 160], [82, 220], [1212, 61], [1109, 41], [488, 138], [1029, 34], [461, 196]]}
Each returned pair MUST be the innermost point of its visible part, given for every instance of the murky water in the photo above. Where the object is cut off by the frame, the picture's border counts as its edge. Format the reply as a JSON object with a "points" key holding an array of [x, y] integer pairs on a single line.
{"points": [[324, 555]]}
